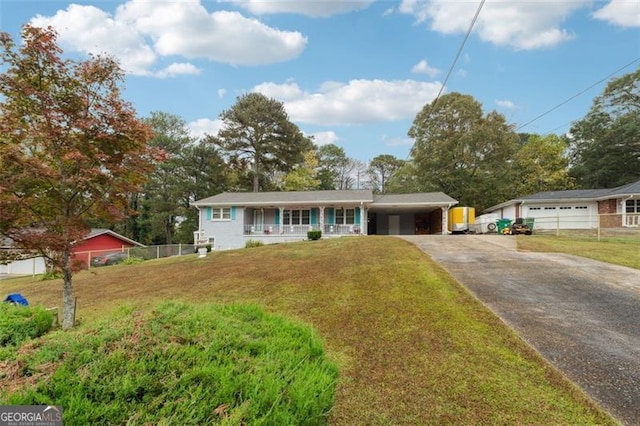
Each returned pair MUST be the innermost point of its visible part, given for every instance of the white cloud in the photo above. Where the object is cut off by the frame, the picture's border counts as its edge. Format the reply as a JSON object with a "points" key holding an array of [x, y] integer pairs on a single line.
{"points": [[178, 69], [204, 126], [523, 25], [397, 141], [624, 13], [355, 102], [324, 138], [222, 92], [423, 67], [140, 33], [312, 8], [505, 104]]}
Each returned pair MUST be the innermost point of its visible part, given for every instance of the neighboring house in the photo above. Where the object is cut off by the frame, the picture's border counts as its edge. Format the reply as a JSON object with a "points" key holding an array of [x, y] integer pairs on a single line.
{"points": [[101, 241], [229, 220], [577, 209], [97, 242]]}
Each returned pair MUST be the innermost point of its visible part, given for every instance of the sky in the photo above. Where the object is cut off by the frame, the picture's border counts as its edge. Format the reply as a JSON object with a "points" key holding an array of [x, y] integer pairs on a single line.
{"points": [[352, 73]]}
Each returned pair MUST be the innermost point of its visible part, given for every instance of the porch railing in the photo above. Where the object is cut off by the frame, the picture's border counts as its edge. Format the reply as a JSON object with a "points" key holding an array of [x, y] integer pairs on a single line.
{"points": [[300, 229], [632, 220]]}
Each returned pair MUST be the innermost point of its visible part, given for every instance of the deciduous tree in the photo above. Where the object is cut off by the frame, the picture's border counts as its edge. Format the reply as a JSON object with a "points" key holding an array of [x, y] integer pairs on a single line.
{"points": [[463, 152], [605, 145], [542, 164], [70, 149]]}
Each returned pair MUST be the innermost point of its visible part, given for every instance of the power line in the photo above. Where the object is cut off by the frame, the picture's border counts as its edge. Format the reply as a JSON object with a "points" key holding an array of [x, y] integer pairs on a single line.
{"points": [[455, 60], [578, 94]]}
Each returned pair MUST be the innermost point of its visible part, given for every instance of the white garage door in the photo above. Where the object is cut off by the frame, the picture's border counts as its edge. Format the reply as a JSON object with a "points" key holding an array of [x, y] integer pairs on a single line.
{"points": [[563, 216]]}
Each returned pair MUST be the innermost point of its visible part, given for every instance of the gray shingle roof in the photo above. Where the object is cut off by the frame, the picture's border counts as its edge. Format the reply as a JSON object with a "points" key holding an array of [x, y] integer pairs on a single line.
{"points": [[286, 197], [576, 194], [322, 197], [416, 198]]}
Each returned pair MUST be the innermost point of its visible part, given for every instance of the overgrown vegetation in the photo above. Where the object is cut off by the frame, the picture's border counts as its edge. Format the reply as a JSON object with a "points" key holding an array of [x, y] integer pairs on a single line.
{"points": [[20, 323], [133, 260], [253, 243], [182, 364], [412, 345], [616, 250]]}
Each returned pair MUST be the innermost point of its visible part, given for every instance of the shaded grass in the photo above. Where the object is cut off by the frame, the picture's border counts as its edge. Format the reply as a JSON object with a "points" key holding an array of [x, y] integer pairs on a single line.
{"points": [[616, 250], [413, 346], [180, 364]]}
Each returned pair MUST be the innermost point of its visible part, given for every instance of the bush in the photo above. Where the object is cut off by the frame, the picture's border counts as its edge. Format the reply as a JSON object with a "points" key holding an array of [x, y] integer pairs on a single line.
{"points": [[314, 235], [184, 364], [133, 260], [20, 323], [253, 243]]}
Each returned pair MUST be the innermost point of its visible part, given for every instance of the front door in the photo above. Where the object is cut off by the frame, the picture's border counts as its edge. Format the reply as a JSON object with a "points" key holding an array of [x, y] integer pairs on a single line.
{"points": [[394, 224]]}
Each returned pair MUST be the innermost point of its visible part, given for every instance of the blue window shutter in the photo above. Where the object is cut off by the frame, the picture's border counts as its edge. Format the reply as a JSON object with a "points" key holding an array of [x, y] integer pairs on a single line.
{"points": [[208, 213], [314, 216], [357, 215], [331, 216], [233, 213], [277, 216]]}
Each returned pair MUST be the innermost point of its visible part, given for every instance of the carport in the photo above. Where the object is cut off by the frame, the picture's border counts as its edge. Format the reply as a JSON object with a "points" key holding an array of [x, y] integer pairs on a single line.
{"points": [[409, 214]]}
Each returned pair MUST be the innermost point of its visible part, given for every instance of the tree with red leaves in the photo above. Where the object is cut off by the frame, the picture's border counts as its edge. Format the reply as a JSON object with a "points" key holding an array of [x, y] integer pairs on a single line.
{"points": [[70, 149]]}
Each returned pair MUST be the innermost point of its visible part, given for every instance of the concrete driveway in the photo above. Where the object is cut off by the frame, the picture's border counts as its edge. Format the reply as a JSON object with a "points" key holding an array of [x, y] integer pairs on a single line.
{"points": [[581, 315]]}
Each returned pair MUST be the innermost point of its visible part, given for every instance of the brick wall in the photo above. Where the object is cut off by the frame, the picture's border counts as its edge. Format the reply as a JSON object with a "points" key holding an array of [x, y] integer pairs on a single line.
{"points": [[608, 217]]}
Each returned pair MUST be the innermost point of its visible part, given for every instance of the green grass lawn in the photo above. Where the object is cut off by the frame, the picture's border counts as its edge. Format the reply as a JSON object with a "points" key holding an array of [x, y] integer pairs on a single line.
{"points": [[623, 251], [412, 346]]}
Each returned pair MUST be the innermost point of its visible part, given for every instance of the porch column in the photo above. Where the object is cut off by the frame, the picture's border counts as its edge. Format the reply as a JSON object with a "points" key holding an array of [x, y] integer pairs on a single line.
{"points": [[321, 219], [445, 218], [281, 220], [363, 220]]}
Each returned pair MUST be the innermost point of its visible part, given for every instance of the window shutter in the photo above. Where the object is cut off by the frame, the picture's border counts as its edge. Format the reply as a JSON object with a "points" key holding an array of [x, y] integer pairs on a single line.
{"points": [[331, 216], [233, 213], [357, 215], [277, 216], [314, 217], [208, 213]]}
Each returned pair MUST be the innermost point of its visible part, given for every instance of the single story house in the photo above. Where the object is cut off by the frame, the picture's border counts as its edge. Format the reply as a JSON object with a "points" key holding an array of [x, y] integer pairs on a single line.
{"points": [[228, 220], [101, 241], [577, 208]]}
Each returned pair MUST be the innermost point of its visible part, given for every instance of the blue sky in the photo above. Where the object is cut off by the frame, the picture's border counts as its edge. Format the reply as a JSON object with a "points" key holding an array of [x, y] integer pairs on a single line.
{"points": [[353, 73]]}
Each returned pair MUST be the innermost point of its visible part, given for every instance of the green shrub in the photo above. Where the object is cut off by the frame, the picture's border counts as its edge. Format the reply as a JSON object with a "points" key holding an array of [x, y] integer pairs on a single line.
{"points": [[133, 260], [20, 323], [50, 275], [253, 243], [314, 235], [184, 364]]}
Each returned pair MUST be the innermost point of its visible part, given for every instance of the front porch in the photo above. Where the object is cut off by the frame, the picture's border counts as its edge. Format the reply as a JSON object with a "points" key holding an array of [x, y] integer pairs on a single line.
{"points": [[277, 229]]}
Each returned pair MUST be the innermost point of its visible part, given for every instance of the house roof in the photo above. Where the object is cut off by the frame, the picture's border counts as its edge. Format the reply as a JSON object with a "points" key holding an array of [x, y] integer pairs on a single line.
{"points": [[286, 197], [628, 190], [416, 199], [101, 231], [353, 196]]}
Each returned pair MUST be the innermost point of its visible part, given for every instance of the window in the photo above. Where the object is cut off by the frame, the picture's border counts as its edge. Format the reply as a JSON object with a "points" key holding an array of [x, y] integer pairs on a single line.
{"points": [[632, 206], [296, 217], [345, 216], [565, 208], [534, 208], [549, 208], [581, 207], [221, 213]]}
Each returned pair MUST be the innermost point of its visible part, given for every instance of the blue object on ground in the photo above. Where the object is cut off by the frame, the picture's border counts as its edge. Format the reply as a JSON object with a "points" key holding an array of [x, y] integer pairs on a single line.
{"points": [[16, 299]]}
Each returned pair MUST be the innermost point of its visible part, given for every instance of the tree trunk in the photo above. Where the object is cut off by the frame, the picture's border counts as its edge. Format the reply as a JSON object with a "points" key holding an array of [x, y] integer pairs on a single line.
{"points": [[68, 301], [256, 178]]}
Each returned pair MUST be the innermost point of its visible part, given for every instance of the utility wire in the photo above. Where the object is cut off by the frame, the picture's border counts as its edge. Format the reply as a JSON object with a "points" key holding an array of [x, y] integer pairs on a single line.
{"points": [[455, 60], [577, 94]]}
